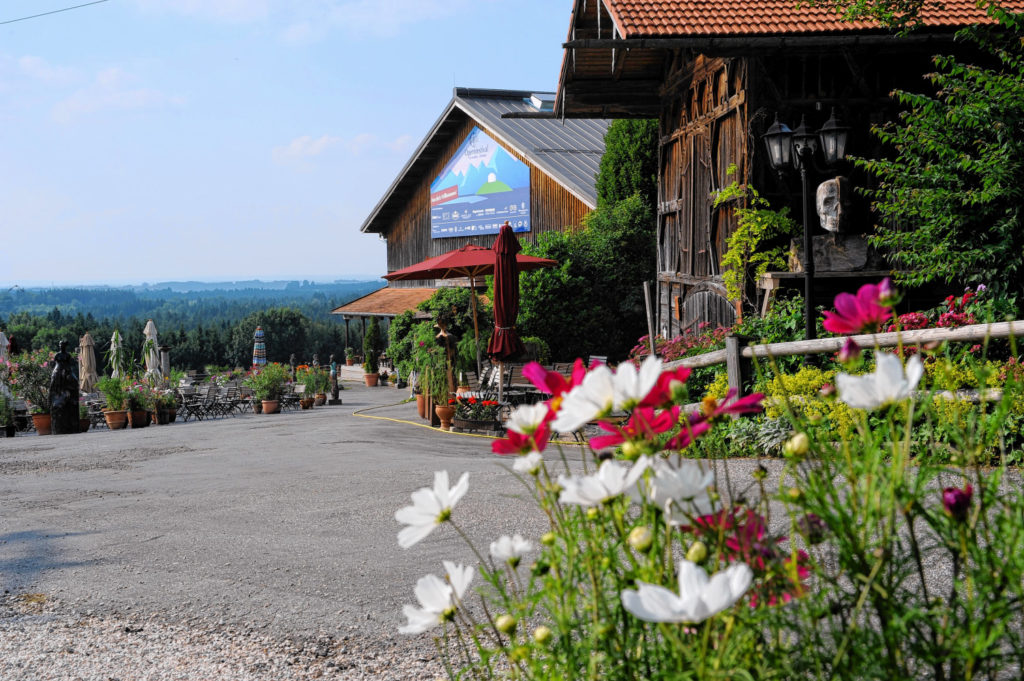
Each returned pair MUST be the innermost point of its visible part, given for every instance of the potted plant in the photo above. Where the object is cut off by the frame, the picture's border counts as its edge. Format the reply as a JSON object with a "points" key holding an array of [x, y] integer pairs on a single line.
{"points": [[350, 356], [30, 380], [166, 407], [382, 378], [436, 378], [474, 413], [316, 381], [113, 391], [371, 353], [267, 384], [83, 416], [7, 417], [140, 402]]}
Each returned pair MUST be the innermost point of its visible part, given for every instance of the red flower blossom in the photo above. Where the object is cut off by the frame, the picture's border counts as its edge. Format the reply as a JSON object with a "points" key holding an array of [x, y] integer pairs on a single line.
{"points": [[520, 443], [668, 389], [643, 424], [860, 313]]}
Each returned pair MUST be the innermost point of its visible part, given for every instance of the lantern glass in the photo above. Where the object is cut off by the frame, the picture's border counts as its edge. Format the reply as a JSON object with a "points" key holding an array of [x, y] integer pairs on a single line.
{"points": [[833, 139], [778, 140]]}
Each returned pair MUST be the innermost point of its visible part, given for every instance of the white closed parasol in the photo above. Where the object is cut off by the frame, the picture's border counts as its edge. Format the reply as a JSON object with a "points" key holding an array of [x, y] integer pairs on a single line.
{"points": [[87, 376], [150, 349]]}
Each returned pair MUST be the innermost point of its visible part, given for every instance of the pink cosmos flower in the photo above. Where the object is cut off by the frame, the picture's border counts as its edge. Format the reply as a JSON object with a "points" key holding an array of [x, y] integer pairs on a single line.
{"points": [[643, 424], [711, 409], [860, 313], [552, 382], [692, 429], [668, 389]]}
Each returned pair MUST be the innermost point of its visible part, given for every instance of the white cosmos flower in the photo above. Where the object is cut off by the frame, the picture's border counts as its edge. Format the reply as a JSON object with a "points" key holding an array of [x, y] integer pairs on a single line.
{"points": [[509, 549], [430, 507], [438, 598], [526, 419], [631, 386], [611, 480], [886, 385], [699, 597], [528, 464], [592, 398], [679, 491]]}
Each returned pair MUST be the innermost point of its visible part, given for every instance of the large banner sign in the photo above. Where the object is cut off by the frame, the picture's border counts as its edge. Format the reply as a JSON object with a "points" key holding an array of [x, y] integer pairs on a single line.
{"points": [[480, 188]]}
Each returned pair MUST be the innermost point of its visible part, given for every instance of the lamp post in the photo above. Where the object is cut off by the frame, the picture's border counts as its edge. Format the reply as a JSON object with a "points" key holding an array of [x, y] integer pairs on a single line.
{"points": [[795, 148]]}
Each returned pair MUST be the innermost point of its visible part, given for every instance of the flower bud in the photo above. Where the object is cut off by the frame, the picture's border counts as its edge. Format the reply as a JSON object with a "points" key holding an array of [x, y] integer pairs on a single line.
{"points": [[957, 502], [697, 553], [506, 624], [606, 562], [631, 450], [540, 567], [542, 635], [827, 390], [518, 654], [640, 539], [592, 513], [794, 494], [849, 352], [796, 446], [548, 539]]}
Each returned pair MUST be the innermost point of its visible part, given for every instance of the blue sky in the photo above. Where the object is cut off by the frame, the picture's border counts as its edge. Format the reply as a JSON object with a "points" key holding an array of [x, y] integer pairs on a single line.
{"points": [[149, 140]]}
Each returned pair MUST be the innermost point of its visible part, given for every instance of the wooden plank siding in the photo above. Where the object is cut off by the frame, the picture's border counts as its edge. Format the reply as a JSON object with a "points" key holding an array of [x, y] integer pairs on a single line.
{"points": [[552, 208], [703, 132]]}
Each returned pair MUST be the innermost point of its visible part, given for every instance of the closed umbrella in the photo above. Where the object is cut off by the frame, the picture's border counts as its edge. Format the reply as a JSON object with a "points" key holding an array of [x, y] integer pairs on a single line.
{"points": [[259, 348], [115, 355], [3, 345], [150, 351], [505, 343], [87, 376]]}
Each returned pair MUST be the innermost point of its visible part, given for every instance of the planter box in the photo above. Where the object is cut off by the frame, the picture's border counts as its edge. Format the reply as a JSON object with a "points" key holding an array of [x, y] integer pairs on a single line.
{"points": [[470, 426]]}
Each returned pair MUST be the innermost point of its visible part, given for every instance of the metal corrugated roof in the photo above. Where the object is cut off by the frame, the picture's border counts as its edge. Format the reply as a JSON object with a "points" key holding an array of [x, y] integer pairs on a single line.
{"points": [[569, 151]]}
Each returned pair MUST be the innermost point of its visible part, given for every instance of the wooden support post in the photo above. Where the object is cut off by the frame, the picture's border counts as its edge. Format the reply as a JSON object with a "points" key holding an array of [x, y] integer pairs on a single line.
{"points": [[737, 368]]}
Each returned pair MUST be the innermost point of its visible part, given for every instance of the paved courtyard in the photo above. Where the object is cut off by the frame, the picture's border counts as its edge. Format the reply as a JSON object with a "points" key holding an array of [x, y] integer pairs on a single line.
{"points": [[278, 525]]}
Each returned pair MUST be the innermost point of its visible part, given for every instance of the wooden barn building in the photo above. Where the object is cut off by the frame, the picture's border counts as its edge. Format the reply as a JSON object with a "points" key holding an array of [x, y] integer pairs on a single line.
{"points": [[474, 170], [716, 75]]}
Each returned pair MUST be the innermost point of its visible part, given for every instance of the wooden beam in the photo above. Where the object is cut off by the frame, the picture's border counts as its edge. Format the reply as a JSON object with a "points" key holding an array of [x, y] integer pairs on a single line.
{"points": [[745, 45]]}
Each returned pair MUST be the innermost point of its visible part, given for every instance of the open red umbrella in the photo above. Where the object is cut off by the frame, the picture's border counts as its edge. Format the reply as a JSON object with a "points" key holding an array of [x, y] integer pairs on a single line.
{"points": [[470, 261], [505, 343]]}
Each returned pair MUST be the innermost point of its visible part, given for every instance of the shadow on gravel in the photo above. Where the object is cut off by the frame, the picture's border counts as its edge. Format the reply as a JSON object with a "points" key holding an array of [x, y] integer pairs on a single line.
{"points": [[24, 556]]}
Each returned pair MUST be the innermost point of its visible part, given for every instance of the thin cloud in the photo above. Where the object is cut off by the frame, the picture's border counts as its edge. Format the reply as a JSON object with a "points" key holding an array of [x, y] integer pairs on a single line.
{"points": [[39, 69], [304, 147], [111, 90]]}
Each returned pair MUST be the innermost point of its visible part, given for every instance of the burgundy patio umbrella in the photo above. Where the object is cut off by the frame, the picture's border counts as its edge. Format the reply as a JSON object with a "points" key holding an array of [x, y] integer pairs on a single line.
{"points": [[469, 261], [505, 343]]}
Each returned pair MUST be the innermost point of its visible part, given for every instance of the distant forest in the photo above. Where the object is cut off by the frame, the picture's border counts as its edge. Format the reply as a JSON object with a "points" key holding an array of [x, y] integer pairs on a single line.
{"points": [[204, 324]]}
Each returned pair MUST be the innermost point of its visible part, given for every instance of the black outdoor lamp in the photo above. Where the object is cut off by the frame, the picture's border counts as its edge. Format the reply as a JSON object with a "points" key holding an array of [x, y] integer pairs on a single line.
{"points": [[833, 139], [795, 148]]}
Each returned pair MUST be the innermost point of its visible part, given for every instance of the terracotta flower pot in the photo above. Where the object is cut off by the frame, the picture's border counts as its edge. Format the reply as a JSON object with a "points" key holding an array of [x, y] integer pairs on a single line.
{"points": [[445, 413], [320, 399], [271, 406], [42, 423], [462, 389], [138, 419], [306, 402], [371, 379], [421, 405], [116, 420], [349, 362]]}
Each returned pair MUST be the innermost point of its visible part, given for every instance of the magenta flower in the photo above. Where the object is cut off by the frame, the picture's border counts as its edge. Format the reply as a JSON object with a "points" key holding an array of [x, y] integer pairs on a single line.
{"points": [[849, 352], [957, 502], [642, 426], [860, 313], [711, 409]]}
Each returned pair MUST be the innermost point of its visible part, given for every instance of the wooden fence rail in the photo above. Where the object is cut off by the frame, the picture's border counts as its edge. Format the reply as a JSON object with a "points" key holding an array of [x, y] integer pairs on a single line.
{"points": [[736, 355]]}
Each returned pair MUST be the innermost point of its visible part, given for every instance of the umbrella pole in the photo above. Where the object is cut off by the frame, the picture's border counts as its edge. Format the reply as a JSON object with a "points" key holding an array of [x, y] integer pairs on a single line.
{"points": [[501, 381], [476, 328]]}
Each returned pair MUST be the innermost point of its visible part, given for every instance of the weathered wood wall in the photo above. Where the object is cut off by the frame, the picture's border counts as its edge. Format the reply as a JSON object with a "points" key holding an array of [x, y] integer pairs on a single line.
{"points": [[714, 111], [552, 208], [703, 132]]}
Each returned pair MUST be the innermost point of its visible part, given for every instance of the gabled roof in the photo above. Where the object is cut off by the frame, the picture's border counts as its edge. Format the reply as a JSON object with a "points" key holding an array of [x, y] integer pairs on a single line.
{"points": [[675, 18], [617, 51], [569, 152]]}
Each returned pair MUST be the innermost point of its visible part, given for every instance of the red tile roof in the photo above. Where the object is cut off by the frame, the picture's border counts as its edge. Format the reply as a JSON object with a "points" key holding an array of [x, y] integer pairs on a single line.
{"points": [[677, 18]]}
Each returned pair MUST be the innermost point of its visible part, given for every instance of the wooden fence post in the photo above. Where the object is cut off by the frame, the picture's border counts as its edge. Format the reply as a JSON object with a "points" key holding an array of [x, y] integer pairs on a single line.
{"points": [[736, 366]]}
